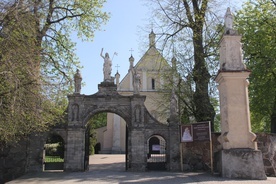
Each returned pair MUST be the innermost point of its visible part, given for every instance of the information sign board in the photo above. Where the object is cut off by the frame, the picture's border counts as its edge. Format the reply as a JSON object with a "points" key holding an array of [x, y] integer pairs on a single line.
{"points": [[201, 131]]}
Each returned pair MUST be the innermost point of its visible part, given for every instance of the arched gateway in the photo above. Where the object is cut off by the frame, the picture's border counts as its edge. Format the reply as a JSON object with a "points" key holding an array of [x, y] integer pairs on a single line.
{"points": [[141, 126]]}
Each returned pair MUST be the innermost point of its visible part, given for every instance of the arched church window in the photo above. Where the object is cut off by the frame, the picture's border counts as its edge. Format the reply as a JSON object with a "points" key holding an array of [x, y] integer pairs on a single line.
{"points": [[152, 83]]}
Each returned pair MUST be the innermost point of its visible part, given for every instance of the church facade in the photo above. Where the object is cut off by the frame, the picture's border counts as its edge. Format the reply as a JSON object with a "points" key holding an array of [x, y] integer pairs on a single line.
{"points": [[148, 72]]}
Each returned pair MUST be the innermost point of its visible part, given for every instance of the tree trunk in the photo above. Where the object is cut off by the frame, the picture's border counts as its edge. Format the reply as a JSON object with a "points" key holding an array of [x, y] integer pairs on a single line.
{"points": [[204, 109]]}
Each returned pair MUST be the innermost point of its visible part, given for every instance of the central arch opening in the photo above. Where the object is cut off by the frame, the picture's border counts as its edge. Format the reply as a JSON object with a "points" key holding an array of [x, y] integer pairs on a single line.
{"points": [[106, 142]]}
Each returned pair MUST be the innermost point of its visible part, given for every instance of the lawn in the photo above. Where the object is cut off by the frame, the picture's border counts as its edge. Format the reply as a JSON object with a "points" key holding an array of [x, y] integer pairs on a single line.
{"points": [[49, 159]]}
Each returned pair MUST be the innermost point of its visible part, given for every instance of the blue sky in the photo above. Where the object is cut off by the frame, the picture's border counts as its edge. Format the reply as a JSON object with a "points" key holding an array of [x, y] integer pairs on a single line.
{"points": [[121, 33], [127, 28]]}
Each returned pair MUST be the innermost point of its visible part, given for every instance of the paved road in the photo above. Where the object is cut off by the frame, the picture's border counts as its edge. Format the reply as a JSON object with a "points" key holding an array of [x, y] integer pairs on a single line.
{"points": [[106, 169]]}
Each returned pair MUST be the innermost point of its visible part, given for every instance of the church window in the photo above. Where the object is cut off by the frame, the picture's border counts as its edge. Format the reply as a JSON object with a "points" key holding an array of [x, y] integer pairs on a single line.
{"points": [[152, 83]]}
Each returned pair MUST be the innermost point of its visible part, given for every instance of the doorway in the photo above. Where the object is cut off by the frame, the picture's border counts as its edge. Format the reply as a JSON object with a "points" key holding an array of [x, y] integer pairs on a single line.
{"points": [[108, 141], [53, 154], [156, 155]]}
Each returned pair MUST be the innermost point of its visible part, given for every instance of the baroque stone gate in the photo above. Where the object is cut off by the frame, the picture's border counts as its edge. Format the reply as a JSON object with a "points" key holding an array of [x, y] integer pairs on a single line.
{"points": [[140, 126]]}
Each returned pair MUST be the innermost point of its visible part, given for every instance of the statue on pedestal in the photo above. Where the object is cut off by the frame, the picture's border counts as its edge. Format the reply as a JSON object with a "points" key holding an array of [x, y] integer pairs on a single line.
{"points": [[228, 23], [107, 66], [228, 19], [77, 80], [136, 81]]}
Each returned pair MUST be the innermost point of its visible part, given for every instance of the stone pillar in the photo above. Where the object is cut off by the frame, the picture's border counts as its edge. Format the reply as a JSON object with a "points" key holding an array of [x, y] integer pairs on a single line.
{"points": [[173, 149], [173, 146], [75, 147], [136, 141], [116, 146], [75, 144], [137, 154], [239, 157], [234, 110]]}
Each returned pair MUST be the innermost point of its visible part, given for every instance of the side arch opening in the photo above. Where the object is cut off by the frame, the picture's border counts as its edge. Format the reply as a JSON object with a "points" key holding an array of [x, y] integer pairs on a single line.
{"points": [[53, 154], [156, 153]]}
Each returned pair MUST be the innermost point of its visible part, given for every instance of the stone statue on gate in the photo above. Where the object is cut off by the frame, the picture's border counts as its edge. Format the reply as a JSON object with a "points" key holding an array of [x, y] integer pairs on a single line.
{"points": [[77, 81], [107, 67], [136, 81]]}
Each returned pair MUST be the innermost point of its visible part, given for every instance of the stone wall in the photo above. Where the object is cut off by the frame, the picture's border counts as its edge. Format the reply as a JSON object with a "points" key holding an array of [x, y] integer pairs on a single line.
{"points": [[25, 156], [196, 155], [267, 144], [13, 161]]}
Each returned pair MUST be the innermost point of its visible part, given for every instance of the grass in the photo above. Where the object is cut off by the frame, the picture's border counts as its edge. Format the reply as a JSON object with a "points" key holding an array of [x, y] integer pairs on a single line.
{"points": [[53, 159]]}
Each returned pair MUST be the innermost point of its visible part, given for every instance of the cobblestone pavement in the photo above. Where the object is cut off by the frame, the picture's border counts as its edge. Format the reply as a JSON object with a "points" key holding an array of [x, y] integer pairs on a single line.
{"points": [[106, 169]]}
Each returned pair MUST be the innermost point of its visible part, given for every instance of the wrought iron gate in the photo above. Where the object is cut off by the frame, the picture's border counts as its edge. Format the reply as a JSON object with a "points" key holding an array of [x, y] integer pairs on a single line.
{"points": [[86, 152], [156, 157]]}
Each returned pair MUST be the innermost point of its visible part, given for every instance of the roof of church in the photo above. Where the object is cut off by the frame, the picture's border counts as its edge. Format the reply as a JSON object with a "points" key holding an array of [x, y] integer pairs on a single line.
{"points": [[152, 60]]}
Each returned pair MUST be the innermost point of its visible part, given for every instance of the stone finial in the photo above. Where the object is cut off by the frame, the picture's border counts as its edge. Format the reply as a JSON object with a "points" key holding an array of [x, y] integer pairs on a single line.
{"points": [[131, 61], [77, 80], [152, 39], [117, 76]]}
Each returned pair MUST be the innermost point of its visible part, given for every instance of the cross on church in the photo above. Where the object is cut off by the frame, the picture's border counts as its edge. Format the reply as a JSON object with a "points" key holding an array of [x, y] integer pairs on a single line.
{"points": [[131, 50], [117, 66]]}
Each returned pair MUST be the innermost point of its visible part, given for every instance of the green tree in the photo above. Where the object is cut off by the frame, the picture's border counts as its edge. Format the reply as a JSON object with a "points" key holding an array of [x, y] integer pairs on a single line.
{"points": [[187, 24], [37, 59], [97, 121], [256, 22]]}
